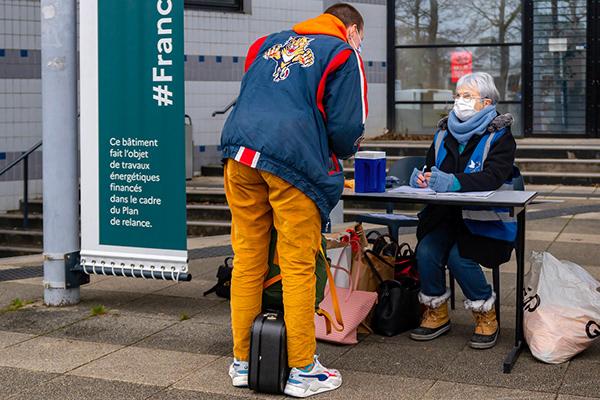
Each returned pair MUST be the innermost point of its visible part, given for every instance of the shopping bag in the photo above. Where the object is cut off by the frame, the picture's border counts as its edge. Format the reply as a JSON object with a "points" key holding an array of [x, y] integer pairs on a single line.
{"points": [[397, 309], [354, 306], [562, 309]]}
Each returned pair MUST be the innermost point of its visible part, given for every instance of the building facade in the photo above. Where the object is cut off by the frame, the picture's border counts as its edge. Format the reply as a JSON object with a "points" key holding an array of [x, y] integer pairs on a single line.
{"points": [[543, 54]]}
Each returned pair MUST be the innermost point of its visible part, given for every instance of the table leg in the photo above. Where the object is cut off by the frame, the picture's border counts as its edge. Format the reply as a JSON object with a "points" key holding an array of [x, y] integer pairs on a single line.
{"points": [[513, 355]]}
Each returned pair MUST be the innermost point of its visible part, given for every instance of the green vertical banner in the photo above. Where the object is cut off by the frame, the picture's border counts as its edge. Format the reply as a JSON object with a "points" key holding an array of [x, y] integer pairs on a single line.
{"points": [[141, 146]]}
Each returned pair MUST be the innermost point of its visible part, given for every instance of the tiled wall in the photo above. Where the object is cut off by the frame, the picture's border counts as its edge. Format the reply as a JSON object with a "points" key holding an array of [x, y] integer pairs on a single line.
{"points": [[215, 46]]}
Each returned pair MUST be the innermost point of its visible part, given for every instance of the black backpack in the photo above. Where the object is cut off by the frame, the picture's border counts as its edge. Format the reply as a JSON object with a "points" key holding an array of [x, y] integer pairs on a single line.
{"points": [[223, 285]]}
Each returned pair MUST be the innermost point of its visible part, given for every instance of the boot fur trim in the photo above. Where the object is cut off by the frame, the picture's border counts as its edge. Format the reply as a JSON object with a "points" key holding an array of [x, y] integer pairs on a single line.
{"points": [[432, 301], [481, 305]]}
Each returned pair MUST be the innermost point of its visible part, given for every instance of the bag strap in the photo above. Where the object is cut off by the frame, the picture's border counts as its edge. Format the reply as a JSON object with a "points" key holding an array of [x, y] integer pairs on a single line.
{"points": [[334, 297], [273, 280], [212, 289], [408, 252]]}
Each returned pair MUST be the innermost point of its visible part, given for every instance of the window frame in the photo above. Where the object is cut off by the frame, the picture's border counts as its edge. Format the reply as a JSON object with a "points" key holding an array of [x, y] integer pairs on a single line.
{"points": [[206, 6]]}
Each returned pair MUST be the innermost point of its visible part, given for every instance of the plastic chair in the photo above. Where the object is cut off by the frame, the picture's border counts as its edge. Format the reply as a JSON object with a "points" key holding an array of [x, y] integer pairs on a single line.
{"points": [[401, 169], [518, 184]]}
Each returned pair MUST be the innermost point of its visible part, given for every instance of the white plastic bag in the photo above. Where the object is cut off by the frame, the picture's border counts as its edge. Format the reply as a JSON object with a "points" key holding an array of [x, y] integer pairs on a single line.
{"points": [[562, 309]]}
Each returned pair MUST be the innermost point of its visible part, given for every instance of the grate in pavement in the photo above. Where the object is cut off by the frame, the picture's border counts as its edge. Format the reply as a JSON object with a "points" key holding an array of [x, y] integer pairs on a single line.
{"points": [[14, 274]]}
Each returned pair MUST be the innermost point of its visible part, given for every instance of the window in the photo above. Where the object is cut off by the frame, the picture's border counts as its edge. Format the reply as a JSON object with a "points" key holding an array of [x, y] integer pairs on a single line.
{"points": [[220, 5], [438, 41]]}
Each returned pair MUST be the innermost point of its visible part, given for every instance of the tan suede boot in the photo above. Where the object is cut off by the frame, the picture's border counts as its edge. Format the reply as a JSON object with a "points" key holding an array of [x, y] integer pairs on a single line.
{"points": [[435, 322], [486, 330]]}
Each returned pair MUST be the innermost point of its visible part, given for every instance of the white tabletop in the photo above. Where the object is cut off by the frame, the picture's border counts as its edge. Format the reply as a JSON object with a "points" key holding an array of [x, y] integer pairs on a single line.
{"points": [[501, 198]]}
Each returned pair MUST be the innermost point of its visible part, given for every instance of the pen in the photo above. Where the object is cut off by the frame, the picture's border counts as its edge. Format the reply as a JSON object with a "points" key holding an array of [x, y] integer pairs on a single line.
{"points": [[423, 170]]}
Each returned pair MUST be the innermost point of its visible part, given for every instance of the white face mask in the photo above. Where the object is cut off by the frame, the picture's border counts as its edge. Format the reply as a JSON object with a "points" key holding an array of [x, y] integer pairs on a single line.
{"points": [[464, 109]]}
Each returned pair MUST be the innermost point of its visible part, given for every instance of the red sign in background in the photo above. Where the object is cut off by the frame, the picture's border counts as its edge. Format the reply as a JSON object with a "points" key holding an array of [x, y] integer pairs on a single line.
{"points": [[461, 63]]}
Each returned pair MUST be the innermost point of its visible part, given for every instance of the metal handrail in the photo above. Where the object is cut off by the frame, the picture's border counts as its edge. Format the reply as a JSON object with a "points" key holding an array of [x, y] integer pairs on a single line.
{"points": [[227, 108], [25, 159]]}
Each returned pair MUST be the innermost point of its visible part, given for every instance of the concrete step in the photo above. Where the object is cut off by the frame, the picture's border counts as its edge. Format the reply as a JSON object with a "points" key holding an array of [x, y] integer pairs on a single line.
{"points": [[541, 177], [208, 228], [21, 237], [15, 220], [563, 178], [212, 170], [14, 251], [208, 212], [35, 206], [525, 149], [558, 165], [206, 196]]}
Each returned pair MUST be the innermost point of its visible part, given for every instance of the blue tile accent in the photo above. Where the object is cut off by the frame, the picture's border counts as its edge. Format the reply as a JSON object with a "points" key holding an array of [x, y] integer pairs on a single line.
{"points": [[200, 58], [24, 53], [383, 64], [370, 63], [185, 58], [202, 149], [3, 155], [219, 59], [2, 53], [219, 148], [236, 60]]}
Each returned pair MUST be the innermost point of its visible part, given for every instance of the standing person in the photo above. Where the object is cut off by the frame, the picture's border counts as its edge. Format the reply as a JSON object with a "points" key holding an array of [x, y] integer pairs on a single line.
{"points": [[302, 105], [473, 150]]}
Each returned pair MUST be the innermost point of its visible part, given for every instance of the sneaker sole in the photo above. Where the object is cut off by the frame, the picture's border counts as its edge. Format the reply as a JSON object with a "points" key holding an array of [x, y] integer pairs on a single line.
{"points": [[436, 334], [483, 346], [313, 389]]}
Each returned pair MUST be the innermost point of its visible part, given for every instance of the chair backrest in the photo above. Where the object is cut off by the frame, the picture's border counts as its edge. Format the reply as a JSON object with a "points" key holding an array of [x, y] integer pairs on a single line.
{"points": [[403, 168], [518, 182]]}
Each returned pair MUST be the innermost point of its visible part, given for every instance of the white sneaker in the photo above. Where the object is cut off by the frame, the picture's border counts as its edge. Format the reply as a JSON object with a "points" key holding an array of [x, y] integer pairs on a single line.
{"points": [[317, 380], [238, 371]]}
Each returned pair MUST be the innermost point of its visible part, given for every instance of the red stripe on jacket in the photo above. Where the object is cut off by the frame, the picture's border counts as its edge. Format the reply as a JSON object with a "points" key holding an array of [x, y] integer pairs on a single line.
{"points": [[253, 52], [335, 63]]}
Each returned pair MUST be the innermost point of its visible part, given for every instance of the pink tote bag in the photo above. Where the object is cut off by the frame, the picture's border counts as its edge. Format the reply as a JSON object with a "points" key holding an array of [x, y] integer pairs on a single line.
{"points": [[355, 305]]}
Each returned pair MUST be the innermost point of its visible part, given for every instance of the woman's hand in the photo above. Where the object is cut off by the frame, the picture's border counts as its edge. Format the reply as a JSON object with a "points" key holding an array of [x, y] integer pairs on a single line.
{"points": [[418, 179]]}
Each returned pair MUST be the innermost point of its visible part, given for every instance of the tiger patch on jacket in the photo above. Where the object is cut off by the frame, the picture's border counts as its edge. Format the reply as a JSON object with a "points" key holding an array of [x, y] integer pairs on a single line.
{"points": [[294, 51]]}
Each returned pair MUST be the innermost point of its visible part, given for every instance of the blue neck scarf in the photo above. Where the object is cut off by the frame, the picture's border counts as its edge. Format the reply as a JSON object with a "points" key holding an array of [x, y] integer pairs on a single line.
{"points": [[476, 125]]}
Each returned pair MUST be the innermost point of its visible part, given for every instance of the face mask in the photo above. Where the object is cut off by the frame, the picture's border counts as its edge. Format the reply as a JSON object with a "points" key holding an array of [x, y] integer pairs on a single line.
{"points": [[464, 109], [357, 48]]}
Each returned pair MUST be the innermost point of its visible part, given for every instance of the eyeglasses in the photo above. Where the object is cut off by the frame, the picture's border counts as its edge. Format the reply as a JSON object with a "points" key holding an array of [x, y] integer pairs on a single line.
{"points": [[466, 96]]}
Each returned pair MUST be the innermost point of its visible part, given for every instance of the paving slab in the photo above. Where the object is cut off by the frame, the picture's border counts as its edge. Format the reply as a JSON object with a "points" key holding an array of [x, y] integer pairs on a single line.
{"points": [[113, 328], [175, 394], [582, 379], [213, 378], [219, 314], [418, 360], [78, 388], [459, 391], [586, 226], [363, 385], [167, 307], [569, 397], [15, 380], [194, 289], [91, 297], [546, 225], [484, 367], [192, 337], [130, 285], [11, 290], [53, 355], [38, 319], [10, 338], [140, 365], [575, 252]]}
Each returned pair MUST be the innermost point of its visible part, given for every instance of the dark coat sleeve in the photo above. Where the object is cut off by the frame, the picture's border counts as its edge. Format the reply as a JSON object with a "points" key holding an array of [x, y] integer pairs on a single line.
{"points": [[497, 168]]}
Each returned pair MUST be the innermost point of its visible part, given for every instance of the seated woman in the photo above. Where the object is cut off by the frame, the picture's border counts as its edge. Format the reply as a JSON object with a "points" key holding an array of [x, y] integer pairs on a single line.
{"points": [[473, 150]]}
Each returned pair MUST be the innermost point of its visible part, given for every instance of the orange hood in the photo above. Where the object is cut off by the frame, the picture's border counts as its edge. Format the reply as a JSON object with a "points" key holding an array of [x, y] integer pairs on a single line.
{"points": [[324, 24]]}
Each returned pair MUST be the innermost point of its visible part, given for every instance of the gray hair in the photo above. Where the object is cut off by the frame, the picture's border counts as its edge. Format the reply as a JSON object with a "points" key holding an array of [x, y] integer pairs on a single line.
{"points": [[484, 82]]}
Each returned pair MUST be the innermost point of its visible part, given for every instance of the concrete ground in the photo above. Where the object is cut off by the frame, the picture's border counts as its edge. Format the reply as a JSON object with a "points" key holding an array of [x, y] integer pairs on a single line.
{"points": [[164, 340]]}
